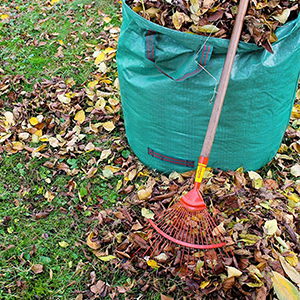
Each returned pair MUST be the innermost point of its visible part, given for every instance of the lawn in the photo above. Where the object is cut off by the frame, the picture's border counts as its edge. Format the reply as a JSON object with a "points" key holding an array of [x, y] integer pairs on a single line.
{"points": [[72, 191]]}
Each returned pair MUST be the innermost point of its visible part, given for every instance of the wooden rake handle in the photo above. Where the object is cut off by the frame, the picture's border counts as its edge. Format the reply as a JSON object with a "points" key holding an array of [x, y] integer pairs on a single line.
{"points": [[225, 76]]}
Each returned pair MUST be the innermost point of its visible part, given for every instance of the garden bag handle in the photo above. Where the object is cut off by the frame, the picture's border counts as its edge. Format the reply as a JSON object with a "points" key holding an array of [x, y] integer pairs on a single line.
{"points": [[168, 50]]}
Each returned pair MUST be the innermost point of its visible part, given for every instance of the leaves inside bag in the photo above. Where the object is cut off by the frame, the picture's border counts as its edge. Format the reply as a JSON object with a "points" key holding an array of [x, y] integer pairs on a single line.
{"points": [[216, 17]]}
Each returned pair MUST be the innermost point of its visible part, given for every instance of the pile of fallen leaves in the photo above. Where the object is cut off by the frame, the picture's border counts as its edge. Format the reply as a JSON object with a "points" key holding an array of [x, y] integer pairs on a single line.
{"points": [[216, 18], [56, 116], [257, 211]]}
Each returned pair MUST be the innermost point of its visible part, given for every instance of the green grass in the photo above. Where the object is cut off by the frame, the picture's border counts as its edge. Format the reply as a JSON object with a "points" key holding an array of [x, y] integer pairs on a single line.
{"points": [[30, 41], [21, 195]]}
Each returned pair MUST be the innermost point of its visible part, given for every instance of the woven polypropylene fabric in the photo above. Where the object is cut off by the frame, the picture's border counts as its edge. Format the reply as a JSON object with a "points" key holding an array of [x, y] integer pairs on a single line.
{"points": [[166, 120]]}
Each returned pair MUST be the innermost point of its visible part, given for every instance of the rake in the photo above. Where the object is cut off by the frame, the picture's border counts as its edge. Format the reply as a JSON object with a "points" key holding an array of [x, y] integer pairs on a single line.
{"points": [[186, 228]]}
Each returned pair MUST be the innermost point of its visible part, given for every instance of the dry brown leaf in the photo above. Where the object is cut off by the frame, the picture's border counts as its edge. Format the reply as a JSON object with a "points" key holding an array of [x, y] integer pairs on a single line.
{"points": [[98, 287], [163, 297], [37, 268]]}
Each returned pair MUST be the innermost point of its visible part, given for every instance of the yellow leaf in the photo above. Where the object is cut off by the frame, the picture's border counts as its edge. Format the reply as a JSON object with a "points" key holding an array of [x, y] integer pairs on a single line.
{"points": [[283, 148], [4, 16], [63, 244], [205, 28], [208, 173], [271, 226], [143, 194], [175, 175], [54, 1], [105, 154], [109, 126], [147, 213], [108, 81], [107, 19], [204, 284], [61, 42], [107, 258], [100, 103], [49, 196], [261, 5], [294, 197], [137, 9], [80, 116], [18, 145], [109, 50], [44, 138], [39, 133], [113, 102], [33, 121], [152, 263], [92, 84], [177, 20], [112, 168], [249, 239], [295, 113], [256, 179], [289, 270], [233, 272], [119, 185], [152, 11], [40, 148], [284, 289], [199, 266], [70, 82], [99, 58], [255, 285], [90, 243], [102, 68], [117, 83], [293, 259]]}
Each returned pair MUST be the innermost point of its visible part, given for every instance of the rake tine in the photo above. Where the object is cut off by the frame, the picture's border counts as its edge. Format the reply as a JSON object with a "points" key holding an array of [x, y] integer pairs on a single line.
{"points": [[205, 237], [177, 217], [177, 221], [151, 245], [202, 242]]}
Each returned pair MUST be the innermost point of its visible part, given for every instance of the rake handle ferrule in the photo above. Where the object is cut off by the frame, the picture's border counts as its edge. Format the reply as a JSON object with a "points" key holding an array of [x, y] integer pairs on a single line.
{"points": [[202, 163]]}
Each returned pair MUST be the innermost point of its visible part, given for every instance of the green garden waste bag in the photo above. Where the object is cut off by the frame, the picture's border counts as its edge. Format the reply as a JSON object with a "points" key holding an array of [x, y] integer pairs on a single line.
{"points": [[168, 80]]}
